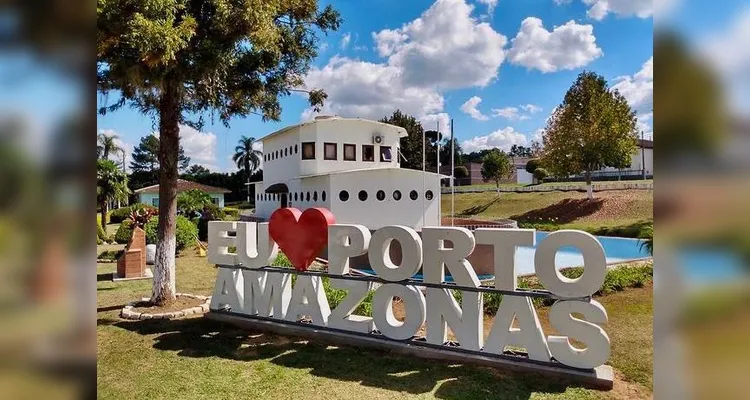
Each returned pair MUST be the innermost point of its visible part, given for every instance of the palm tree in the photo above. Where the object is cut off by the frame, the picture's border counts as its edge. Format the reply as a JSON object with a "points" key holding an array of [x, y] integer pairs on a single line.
{"points": [[247, 158], [111, 185], [106, 145]]}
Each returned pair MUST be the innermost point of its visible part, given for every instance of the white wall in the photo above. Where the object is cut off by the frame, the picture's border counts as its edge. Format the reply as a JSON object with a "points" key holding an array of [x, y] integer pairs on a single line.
{"points": [[317, 189], [287, 165], [523, 176], [153, 198], [375, 214]]}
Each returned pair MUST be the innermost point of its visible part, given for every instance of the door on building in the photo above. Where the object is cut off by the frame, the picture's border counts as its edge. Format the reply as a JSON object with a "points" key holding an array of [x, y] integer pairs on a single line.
{"points": [[284, 201]]}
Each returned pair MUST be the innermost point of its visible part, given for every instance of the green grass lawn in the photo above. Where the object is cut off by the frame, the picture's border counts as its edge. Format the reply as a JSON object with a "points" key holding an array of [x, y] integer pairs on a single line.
{"points": [[199, 358], [616, 212]]}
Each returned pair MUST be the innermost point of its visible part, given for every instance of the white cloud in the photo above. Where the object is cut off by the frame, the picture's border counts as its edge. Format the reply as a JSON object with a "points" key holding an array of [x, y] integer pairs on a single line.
{"points": [[638, 89], [491, 4], [510, 113], [345, 40], [430, 122], [531, 108], [501, 138], [368, 90], [623, 8], [199, 146], [566, 47], [445, 48], [470, 107]]}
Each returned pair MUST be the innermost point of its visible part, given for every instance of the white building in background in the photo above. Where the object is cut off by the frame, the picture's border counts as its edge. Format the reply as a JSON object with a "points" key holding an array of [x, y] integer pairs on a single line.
{"points": [[350, 166]]}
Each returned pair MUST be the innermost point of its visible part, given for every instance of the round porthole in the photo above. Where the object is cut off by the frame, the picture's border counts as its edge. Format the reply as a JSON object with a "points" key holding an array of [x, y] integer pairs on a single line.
{"points": [[343, 195], [396, 195], [362, 195], [307, 197], [286, 152], [315, 196], [428, 195], [296, 149], [380, 195], [323, 196], [413, 195], [295, 196]]}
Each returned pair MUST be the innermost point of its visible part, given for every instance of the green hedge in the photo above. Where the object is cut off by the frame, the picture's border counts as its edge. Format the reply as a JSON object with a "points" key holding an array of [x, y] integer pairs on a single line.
{"points": [[124, 232], [122, 213], [101, 236], [185, 233]]}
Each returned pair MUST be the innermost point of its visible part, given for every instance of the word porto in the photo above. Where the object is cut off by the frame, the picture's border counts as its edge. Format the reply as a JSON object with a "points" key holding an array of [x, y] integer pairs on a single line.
{"points": [[247, 286]]}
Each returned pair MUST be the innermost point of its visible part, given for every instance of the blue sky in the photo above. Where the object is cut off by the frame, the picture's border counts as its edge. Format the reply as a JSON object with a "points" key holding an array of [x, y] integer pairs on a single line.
{"points": [[497, 67]]}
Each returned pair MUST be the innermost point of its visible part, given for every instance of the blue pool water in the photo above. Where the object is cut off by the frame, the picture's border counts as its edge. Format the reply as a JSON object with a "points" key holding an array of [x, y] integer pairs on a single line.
{"points": [[615, 249]]}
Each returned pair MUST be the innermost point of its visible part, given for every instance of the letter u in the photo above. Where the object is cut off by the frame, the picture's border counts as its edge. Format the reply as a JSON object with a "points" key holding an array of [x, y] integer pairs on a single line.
{"points": [[255, 249]]}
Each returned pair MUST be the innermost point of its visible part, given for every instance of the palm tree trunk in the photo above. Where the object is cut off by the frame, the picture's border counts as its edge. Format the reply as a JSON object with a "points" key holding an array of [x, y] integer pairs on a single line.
{"points": [[163, 290], [104, 215]]}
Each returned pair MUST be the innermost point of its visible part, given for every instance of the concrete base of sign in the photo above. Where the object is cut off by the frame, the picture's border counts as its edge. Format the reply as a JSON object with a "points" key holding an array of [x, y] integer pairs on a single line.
{"points": [[601, 377], [147, 275]]}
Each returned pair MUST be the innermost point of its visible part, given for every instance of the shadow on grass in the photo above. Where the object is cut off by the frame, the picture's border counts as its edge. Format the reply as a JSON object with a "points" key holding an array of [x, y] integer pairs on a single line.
{"points": [[478, 209], [199, 337], [562, 212], [104, 277]]}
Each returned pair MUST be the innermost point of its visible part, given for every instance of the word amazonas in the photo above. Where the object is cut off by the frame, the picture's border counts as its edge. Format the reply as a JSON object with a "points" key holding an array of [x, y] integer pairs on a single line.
{"points": [[247, 286]]}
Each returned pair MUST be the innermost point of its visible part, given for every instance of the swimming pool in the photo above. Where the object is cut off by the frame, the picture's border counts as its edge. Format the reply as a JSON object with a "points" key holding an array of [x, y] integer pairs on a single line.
{"points": [[616, 250]]}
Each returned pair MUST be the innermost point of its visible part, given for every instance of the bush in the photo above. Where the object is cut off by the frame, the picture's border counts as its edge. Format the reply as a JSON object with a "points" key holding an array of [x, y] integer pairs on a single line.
{"points": [[122, 213], [532, 165], [460, 172], [540, 174], [230, 214], [101, 236], [186, 232], [110, 255], [191, 202], [124, 232]]}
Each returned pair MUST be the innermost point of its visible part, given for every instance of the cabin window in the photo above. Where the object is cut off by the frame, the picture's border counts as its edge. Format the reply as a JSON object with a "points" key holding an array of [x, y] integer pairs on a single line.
{"points": [[329, 151], [296, 149], [286, 152], [413, 195], [343, 195], [428, 195], [307, 197], [315, 195], [308, 150], [362, 195], [323, 196], [350, 152], [380, 195], [385, 153], [397, 195], [368, 152]]}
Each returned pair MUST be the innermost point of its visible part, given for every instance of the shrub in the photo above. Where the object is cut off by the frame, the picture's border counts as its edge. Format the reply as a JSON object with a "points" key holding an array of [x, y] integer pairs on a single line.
{"points": [[185, 232], [110, 255], [122, 213], [532, 165], [124, 232], [191, 202], [460, 172], [101, 236], [231, 214], [540, 174]]}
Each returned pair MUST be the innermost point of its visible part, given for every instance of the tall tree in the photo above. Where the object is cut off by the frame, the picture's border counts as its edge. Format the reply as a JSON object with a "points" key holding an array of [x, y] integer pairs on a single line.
{"points": [[175, 59], [106, 145], [445, 152], [146, 156], [247, 158], [593, 128], [197, 170], [411, 145], [111, 185], [496, 166]]}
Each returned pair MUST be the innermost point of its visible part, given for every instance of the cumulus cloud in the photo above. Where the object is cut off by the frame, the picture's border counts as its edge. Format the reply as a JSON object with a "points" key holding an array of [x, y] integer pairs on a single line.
{"points": [[565, 47], [514, 113], [501, 138], [445, 48], [431, 122], [199, 146], [470, 107], [623, 8], [638, 89], [345, 40]]}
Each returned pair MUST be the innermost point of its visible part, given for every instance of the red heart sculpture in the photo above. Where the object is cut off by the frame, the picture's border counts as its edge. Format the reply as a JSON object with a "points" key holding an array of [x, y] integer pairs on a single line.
{"points": [[301, 235]]}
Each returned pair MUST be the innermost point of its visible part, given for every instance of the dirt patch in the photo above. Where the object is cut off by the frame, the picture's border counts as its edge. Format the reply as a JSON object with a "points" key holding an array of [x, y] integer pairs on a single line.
{"points": [[605, 206], [446, 221], [181, 303], [563, 212]]}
